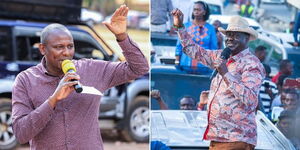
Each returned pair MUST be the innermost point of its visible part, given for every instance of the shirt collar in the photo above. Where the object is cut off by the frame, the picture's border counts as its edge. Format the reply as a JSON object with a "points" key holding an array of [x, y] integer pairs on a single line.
{"points": [[44, 70], [240, 54]]}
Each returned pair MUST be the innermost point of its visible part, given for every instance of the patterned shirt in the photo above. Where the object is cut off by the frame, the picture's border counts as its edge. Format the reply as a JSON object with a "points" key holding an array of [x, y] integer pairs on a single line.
{"points": [[73, 124], [205, 37], [233, 98]]}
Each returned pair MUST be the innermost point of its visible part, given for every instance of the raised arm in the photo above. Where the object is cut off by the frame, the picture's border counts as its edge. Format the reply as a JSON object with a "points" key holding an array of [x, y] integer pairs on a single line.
{"points": [[118, 23], [189, 47]]}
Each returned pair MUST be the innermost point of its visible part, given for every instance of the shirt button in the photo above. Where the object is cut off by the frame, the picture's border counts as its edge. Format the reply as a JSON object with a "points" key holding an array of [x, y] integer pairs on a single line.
{"points": [[68, 142], [66, 109], [67, 125]]}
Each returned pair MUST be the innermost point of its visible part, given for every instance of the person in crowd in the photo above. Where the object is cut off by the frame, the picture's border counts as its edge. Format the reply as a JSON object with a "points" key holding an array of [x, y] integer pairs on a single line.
{"points": [[217, 24], [285, 68], [296, 30], [279, 98], [290, 29], [203, 34], [233, 94], [46, 112], [296, 142], [286, 124], [186, 102], [268, 90], [247, 9], [160, 12], [292, 100], [203, 100]]}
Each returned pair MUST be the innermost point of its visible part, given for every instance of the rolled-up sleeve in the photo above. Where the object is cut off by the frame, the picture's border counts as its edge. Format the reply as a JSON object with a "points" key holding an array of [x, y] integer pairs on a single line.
{"points": [[27, 121]]}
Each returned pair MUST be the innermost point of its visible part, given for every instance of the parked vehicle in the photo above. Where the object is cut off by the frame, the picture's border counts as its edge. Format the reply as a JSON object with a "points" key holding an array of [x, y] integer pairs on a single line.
{"points": [[91, 17], [183, 130], [123, 108], [274, 1]]}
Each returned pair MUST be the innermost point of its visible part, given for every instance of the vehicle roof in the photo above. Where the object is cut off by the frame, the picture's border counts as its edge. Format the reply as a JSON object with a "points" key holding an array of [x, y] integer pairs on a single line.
{"points": [[12, 23], [225, 20]]}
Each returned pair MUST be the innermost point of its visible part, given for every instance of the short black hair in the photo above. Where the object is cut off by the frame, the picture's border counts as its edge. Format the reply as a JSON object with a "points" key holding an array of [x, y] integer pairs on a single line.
{"points": [[188, 97], [206, 8], [260, 48], [287, 114], [293, 91], [284, 63]]}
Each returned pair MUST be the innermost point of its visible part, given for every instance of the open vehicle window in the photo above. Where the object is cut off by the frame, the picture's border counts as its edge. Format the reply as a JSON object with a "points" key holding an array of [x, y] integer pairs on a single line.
{"points": [[5, 44]]}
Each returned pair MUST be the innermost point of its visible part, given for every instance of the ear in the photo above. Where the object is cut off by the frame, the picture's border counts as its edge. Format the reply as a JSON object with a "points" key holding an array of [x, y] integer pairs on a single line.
{"points": [[42, 49]]}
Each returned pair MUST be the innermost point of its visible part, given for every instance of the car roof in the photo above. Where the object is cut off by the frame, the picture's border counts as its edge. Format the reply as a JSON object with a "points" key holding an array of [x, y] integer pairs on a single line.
{"points": [[226, 18], [13, 23]]}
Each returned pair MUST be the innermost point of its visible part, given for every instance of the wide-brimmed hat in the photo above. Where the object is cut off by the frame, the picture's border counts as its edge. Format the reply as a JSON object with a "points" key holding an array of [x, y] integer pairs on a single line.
{"points": [[239, 24]]}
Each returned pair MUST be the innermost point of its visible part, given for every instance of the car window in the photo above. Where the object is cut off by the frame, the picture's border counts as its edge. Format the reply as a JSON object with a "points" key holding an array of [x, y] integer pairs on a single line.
{"points": [[214, 9], [86, 50], [28, 48], [5, 44], [274, 54]]}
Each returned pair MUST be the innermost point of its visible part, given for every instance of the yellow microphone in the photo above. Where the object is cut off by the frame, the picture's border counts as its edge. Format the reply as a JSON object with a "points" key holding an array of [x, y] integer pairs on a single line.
{"points": [[68, 66]]}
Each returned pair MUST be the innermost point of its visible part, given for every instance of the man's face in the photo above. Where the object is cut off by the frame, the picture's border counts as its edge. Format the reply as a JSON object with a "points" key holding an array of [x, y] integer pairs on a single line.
{"points": [[282, 98], [291, 101], [288, 69], [236, 41], [286, 126], [58, 46], [198, 10], [187, 104], [261, 55]]}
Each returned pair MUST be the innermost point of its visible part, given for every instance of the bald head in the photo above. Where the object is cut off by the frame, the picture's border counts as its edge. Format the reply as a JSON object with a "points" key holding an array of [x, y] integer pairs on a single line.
{"points": [[53, 28]]}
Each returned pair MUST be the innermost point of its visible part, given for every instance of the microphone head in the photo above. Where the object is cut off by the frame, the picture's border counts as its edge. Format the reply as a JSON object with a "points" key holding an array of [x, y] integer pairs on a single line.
{"points": [[226, 53], [67, 65]]}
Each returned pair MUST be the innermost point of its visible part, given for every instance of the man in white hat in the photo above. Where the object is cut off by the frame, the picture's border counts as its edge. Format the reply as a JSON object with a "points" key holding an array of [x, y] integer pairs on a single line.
{"points": [[233, 95]]}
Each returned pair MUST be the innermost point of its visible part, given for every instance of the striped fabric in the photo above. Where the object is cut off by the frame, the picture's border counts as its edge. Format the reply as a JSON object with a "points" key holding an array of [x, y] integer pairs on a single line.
{"points": [[265, 98]]}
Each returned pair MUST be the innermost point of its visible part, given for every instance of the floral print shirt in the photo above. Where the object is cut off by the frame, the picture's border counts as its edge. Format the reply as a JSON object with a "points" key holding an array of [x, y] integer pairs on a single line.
{"points": [[233, 99]]}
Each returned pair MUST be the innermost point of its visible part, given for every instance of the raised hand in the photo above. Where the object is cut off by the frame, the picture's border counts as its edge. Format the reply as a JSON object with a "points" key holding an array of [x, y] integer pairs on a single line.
{"points": [[118, 22], [177, 17]]}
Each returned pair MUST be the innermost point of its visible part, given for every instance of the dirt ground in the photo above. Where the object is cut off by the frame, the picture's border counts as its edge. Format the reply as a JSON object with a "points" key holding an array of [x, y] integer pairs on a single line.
{"points": [[110, 143]]}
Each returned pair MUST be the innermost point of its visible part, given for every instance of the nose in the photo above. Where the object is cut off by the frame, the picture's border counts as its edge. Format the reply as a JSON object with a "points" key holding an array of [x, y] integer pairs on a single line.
{"points": [[66, 51]]}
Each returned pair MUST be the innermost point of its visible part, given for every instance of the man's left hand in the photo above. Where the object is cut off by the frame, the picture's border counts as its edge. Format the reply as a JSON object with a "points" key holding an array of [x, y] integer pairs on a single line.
{"points": [[220, 65], [118, 22]]}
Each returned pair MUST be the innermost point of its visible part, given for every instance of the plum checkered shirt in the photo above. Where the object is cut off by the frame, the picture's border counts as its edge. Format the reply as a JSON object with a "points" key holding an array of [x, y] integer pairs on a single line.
{"points": [[232, 99], [73, 124]]}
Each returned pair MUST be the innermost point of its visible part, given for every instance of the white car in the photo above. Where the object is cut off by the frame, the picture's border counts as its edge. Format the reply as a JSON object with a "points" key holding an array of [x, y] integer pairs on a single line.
{"points": [[91, 17], [133, 18], [226, 18], [183, 130], [274, 1]]}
